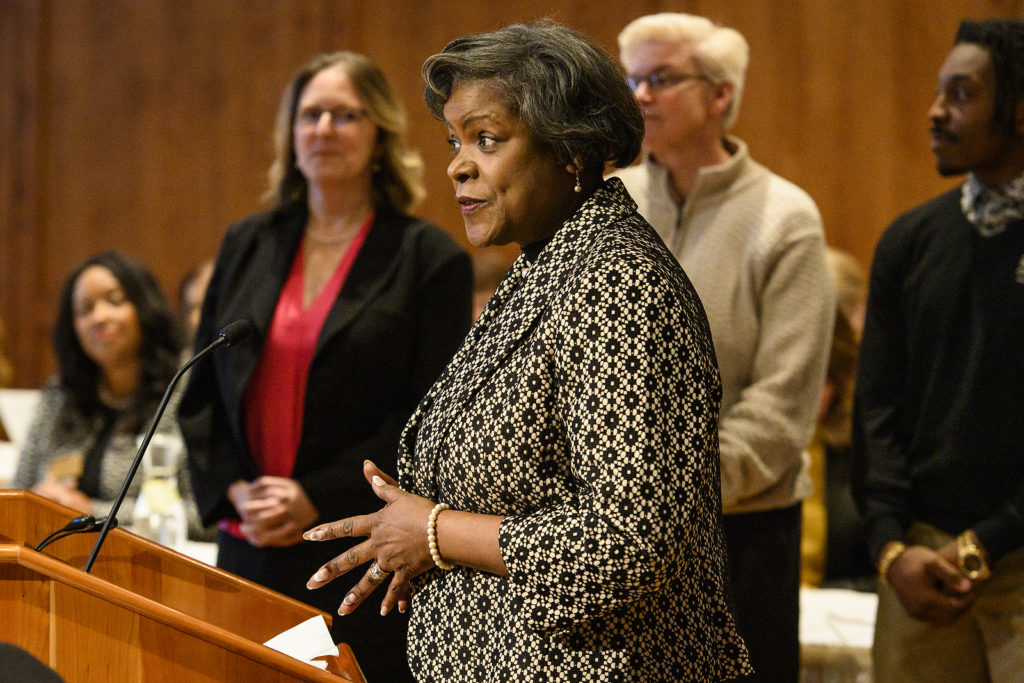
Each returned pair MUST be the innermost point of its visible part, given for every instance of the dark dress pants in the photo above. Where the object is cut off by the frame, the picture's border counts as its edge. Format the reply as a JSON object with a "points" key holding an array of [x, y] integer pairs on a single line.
{"points": [[764, 568]]}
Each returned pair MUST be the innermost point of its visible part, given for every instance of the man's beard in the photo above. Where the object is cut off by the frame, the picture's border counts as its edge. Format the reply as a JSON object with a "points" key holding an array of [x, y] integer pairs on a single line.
{"points": [[947, 169]]}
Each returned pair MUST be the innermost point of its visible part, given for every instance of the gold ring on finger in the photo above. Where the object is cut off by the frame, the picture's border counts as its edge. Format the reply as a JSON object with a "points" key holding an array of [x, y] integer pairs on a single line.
{"points": [[376, 573]]}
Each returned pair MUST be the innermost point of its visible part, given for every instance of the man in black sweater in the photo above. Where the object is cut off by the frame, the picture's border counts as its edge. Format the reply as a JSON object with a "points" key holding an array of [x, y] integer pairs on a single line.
{"points": [[940, 387]]}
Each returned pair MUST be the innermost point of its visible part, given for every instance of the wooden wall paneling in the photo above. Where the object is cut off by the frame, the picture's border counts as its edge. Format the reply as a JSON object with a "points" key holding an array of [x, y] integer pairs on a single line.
{"points": [[23, 28], [172, 141], [147, 126]]}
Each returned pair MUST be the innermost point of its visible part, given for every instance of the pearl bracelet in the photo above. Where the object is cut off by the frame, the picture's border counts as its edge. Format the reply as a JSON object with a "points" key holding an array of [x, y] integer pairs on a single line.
{"points": [[435, 554]]}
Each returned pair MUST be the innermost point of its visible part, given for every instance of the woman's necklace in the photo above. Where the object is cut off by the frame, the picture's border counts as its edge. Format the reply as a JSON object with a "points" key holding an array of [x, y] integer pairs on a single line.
{"points": [[320, 238], [108, 399]]}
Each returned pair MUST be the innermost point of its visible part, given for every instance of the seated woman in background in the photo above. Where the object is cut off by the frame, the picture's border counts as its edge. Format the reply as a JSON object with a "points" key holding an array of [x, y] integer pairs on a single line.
{"points": [[564, 470], [117, 349]]}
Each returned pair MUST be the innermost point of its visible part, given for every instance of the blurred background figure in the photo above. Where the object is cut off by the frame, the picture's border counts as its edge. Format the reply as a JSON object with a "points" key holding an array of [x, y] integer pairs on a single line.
{"points": [[851, 283], [6, 367], [190, 299], [489, 268], [357, 308], [191, 292], [117, 348], [6, 372], [753, 245], [833, 550]]}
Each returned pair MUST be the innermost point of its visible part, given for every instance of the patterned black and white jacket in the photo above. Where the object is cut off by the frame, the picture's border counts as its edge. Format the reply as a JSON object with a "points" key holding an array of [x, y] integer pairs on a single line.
{"points": [[583, 407]]}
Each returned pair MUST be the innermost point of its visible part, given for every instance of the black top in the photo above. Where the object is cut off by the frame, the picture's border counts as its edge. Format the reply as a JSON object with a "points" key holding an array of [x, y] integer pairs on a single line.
{"points": [[940, 381], [89, 481]]}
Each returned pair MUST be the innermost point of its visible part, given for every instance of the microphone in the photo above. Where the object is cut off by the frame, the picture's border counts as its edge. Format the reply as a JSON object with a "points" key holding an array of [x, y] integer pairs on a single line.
{"points": [[229, 335], [81, 524]]}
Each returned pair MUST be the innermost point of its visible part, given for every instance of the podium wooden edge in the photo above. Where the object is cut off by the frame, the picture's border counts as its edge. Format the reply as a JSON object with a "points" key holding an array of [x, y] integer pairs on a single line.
{"points": [[14, 551], [99, 588]]}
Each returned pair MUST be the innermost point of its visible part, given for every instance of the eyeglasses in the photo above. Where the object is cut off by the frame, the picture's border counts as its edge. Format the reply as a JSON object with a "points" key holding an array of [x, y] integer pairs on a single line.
{"points": [[339, 116], [660, 81]]}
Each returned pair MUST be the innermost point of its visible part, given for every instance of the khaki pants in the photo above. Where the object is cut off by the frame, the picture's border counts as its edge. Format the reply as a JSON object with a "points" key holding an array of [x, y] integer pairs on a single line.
{"points": [[985, 644]]}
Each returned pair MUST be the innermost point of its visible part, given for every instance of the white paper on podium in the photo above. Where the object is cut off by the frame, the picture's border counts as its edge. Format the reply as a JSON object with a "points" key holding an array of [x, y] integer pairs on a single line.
{"points": [[306, 642]]}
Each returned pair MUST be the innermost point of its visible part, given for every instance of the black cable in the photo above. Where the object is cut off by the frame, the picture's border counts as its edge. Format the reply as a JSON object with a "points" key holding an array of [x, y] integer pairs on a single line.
{"points": [[79, 525]]}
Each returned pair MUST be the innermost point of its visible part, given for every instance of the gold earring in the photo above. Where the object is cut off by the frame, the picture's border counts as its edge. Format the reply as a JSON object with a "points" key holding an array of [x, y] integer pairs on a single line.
{"points": [[578, 187]]}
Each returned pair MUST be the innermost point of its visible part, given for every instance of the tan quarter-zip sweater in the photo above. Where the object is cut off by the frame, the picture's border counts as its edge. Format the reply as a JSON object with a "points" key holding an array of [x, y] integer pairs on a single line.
{"points": [[753, 245]]}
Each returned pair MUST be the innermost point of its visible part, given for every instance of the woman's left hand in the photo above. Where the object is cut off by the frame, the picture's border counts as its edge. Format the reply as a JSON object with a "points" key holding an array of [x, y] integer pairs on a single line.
{"points": [[396, 539]]}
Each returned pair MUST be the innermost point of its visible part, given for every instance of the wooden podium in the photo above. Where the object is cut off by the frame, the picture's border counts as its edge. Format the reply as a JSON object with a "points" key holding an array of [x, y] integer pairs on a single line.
{"points": [[144, 613]]}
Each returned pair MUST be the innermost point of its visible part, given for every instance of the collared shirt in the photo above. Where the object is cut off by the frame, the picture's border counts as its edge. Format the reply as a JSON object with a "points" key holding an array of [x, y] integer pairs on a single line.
{"points": [[991, 209]]}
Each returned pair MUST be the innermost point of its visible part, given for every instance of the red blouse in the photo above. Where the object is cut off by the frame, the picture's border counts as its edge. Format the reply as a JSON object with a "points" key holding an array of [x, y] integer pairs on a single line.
{"points": [[276, 393]]}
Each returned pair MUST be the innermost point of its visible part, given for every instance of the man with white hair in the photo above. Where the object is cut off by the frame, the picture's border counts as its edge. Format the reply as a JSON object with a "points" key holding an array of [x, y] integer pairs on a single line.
{"points": [[753, 245]]}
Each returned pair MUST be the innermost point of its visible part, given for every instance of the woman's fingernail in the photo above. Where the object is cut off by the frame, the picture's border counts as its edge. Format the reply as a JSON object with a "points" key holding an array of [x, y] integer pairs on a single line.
{"points": [[378, 481], [314, 535], [402, 606], [321, 575], [349, 599], [383, 611]]}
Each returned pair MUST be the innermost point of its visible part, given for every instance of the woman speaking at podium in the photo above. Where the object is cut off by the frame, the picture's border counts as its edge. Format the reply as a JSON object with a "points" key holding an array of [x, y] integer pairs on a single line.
{"points": [[356, 306], [557, 511]]}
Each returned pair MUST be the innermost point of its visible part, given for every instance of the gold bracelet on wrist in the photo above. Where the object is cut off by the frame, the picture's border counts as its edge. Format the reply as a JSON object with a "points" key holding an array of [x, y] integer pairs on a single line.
{"points": [[892, 551], [435, 554], [971, 557]]}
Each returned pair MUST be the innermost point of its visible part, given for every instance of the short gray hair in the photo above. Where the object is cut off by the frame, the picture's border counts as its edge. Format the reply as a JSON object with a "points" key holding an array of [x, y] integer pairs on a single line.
{"points": [[721, 53], [571, 96]]}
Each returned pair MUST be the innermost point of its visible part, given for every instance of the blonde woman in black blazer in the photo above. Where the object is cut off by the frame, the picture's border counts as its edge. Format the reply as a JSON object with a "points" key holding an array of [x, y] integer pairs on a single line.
{"points": [[557, 511], [341, 185]]}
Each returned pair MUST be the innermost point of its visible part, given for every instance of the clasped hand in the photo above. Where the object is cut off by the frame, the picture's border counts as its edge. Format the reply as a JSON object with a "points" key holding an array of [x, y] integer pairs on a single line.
{"points": [[273, 510], [395, 538], [929, 584]]}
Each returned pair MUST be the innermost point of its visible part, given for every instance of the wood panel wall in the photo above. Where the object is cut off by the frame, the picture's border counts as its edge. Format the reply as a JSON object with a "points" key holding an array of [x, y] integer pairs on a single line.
{"points": [[145, 126]]}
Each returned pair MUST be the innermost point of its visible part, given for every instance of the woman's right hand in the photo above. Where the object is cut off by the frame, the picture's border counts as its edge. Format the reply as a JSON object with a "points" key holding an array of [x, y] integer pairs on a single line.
{"points": [[64, 493]]}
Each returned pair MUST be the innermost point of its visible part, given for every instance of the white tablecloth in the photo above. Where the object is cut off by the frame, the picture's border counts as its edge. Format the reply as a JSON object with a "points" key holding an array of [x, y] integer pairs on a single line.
{"points": [[204, 552], [836, 631]]}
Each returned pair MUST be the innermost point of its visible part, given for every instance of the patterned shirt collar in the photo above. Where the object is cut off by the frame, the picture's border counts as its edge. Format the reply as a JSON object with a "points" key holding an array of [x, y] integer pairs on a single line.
{"points": [[991, 209]]}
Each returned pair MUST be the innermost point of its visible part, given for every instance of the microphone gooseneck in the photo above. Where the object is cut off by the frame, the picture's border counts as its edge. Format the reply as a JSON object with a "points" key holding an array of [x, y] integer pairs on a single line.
{"points": [[229, 335]]}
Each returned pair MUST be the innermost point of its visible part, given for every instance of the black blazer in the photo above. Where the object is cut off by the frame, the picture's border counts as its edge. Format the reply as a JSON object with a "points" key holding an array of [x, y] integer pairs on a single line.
{"points": [[401, 314]]}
